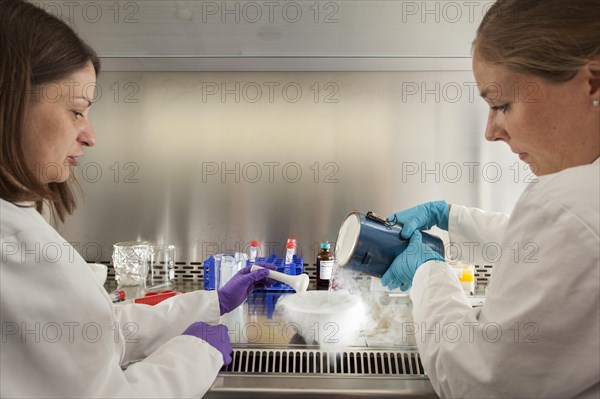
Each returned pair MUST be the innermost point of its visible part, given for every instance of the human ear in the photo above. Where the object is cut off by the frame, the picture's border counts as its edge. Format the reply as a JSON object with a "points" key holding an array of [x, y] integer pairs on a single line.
{"points": [[592, 72]]}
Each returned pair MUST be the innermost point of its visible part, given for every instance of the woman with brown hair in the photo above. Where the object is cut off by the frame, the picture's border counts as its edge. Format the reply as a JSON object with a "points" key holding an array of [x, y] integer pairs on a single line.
{"points": [[61, 334], [537, 65]]}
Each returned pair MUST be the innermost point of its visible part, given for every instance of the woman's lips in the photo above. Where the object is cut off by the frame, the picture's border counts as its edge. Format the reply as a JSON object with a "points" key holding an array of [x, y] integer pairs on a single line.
{"points": [[523, 155], [73, 161]]}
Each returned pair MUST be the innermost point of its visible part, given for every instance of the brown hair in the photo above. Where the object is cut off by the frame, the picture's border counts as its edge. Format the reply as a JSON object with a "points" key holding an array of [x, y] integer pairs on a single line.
{"points": [[552, 39], [37, 49]]}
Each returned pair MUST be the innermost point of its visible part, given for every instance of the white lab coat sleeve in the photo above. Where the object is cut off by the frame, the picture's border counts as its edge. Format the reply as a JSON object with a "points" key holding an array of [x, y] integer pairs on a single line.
{"points": [[185, 366], [60, 335], [145, 327], [538, 332], [475, 234]]}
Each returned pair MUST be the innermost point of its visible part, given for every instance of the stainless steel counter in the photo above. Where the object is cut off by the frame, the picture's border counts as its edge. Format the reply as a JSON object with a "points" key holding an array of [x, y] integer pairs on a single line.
{"points": [[280, 371], [271, 360], [301, 386]]}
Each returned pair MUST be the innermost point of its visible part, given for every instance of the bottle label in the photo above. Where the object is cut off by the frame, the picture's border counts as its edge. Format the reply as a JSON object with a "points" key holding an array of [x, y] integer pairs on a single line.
{"points": [[326, 269]]}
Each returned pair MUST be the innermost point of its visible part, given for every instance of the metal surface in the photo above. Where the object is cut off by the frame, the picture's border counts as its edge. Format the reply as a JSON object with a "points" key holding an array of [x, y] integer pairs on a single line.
{"points": [[209, 161], [210, 173], [352, 372], [304, 28], [290, 386]]}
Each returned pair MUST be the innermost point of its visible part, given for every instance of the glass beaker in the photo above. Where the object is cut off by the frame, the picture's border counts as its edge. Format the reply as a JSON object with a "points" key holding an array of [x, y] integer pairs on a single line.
{"points": [[162, 264], [226, 265], [131, 260]]}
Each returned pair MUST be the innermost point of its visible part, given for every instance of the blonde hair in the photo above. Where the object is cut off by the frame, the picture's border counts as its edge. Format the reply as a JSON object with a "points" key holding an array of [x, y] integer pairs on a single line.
{"points": [[552, 39], [37, 49]]}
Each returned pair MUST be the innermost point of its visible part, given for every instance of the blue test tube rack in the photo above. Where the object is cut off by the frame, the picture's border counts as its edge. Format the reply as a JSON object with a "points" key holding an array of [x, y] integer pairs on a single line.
{"points": [[269, 295]]}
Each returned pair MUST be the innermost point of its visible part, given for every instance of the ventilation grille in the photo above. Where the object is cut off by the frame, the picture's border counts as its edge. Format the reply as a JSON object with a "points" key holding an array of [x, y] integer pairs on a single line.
{"points": [[322, 362], [193, 273], [483, 274]]}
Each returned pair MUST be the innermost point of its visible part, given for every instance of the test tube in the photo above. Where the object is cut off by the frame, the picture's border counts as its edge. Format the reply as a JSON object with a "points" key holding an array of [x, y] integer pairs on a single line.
{"points": [[293, 241], [290, 250], [253, 251], [117, 296]]}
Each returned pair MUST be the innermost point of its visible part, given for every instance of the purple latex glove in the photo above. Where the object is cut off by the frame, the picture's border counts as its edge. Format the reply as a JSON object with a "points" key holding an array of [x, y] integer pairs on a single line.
{"points": [[215, 336], [237, 289]]}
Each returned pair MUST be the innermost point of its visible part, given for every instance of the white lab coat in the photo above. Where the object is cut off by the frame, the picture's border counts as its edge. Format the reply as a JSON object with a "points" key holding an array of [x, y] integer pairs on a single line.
{"points": [[538, 333], [62, 337]]}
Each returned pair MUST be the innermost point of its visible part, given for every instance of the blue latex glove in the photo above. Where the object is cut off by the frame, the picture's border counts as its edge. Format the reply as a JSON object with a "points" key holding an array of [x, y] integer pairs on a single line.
{"points": [[241, 285], [403, 268], [422, 217], [215, 336]]}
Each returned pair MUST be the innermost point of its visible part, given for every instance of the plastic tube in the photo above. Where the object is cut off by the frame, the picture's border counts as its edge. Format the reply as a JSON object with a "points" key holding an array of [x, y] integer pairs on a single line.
{"points": [[253, 251]]}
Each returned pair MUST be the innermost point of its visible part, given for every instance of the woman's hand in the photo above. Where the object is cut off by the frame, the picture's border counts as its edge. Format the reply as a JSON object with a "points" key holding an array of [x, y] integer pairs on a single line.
{"points": [[241, 285], [402, 270], [422, 217], [216, 336]]}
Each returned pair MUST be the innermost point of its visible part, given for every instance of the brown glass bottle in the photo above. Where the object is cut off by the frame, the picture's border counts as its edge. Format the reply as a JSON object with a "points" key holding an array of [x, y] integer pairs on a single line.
{"points": [[325, 261]]}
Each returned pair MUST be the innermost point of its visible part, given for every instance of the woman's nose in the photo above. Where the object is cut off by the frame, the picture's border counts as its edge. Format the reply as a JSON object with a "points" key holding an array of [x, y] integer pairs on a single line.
{"points": [[87, 137], [494, 131]]}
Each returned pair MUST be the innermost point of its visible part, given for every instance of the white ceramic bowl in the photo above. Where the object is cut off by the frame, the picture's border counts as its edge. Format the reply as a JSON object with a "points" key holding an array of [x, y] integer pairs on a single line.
{"points": [[100, 272], [329, 318]]}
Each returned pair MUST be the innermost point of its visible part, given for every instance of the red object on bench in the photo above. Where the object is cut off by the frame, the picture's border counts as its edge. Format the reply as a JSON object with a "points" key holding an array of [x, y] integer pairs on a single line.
{"points": [[152, 298]]}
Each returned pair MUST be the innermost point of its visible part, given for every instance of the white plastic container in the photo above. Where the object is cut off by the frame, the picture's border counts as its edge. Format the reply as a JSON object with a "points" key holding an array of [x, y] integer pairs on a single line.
{"points": [[329, 318]]}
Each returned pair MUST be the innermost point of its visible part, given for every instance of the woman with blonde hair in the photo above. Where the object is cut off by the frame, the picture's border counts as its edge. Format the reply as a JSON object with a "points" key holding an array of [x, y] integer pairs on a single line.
{"points": [[537, 65]]}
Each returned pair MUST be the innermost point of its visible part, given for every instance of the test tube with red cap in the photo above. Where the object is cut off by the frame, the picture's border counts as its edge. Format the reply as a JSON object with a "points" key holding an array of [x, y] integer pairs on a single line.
{"points": [[253, 250], [117, 296], [290, 250]]}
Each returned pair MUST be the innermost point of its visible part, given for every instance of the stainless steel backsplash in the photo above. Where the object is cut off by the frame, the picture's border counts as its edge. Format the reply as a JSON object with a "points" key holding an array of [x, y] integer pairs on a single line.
{"points": [[209, 161]]}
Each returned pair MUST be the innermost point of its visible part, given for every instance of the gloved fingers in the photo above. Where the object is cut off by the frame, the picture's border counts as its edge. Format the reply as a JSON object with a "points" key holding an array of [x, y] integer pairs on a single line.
{"points": [[393, 286], [267, 282], [396, 283], [400, 273], [405, 287], [412, 219], [266, 265], [262, 284], [416, 239], [414, 251], [390, 277], [244, 270], [402, 216], [246, 274], [418, 221], [257, 275], [409, 228], [406, 220]]}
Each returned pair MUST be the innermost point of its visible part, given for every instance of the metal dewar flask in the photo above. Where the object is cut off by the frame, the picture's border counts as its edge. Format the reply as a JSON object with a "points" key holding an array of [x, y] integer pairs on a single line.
{"points": [[370, 243]]}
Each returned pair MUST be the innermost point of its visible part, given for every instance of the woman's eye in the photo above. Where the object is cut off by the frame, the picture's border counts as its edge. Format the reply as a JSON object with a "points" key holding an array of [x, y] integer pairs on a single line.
{"points": [[77, 114], [503, 108]]}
